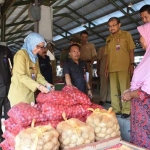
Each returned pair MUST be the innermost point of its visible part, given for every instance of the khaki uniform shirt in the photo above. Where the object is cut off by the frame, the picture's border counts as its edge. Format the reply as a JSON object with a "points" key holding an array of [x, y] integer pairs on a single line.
{"points": [[101, 56], [22, 87], [87, 51], [118, 48], [64, 55]]}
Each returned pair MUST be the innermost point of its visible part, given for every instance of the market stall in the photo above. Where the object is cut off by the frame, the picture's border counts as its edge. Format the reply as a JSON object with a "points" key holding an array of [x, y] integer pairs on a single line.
{"points": [[65, 119]]}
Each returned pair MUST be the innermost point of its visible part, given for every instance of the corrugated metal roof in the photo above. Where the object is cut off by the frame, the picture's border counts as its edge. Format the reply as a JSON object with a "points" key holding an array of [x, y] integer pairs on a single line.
{"points": [[69, 18]]}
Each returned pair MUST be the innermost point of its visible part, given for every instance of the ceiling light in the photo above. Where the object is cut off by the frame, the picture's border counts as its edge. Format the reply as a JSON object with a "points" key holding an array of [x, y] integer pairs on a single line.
{"points": [[130, 4]]}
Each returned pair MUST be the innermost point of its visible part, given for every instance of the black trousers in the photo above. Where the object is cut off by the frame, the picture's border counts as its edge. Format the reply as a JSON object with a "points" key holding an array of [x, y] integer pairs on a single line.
{"points": [[4, 102]]}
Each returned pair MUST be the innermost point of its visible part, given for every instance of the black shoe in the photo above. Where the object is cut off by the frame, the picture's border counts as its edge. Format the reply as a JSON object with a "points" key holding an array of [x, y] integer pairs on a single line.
{"points": [[101, 103], [125, 116], [118, 114]]}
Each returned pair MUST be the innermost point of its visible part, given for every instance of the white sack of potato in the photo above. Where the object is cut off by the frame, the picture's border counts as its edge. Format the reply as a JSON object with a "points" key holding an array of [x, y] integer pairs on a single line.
{"points": [[74, 132], [37, 138], [104, 122]]}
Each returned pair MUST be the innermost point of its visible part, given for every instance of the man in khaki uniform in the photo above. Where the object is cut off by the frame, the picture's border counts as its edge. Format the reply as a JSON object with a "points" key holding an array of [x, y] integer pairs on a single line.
{"points": [[145, 13], [65, 52], [120, 64], [101, 64], [88, 53]]}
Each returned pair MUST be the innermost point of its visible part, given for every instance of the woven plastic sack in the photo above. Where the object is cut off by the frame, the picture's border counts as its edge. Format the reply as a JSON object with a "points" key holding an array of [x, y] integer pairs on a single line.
{"points": [[6, 146], [54, 112], [24, 113], [74, 132], [13, 127], [104, 122], [56, 97], [37, 138], [77, 95]]}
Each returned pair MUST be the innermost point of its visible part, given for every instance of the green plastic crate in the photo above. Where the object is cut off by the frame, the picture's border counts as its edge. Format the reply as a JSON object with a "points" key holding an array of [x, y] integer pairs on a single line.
{"points": [[59, 86]]}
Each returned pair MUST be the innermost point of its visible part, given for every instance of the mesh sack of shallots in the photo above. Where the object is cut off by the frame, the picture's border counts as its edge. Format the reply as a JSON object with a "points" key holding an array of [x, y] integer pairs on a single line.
{"points": [[24, 113], [37, 138], [12, 126], [77, 95], [74, 132], [104, 122], [56, 97]]}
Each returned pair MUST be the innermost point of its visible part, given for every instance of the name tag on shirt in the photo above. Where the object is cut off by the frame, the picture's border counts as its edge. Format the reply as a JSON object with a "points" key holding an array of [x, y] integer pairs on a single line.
{"points": [[117, 47]]}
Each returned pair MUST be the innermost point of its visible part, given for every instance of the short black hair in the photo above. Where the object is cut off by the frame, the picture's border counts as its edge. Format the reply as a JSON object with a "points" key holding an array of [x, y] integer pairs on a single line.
{"points": [[73, 45], [145, 8], [84, 32], [114, 18]]}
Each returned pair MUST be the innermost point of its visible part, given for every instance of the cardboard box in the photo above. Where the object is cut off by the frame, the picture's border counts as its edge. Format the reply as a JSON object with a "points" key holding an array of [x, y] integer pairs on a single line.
{"points": [[105, 144]]}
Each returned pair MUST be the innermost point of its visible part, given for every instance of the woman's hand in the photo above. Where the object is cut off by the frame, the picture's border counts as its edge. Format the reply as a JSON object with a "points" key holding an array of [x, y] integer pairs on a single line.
{"points": [[43, 89], [126, 96], [50, 86]]}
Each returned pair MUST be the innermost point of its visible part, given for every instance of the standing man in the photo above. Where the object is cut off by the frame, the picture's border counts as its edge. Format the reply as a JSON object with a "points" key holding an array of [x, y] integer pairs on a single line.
{"points": [[45, 65], [145, 13], [65, 53], [5, 80], [101, 64], [88, 53], [120, 64], [75, 70]]}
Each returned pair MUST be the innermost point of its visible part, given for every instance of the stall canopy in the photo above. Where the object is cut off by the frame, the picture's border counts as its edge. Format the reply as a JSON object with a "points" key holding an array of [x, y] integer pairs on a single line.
{"points": [[70, 17]]}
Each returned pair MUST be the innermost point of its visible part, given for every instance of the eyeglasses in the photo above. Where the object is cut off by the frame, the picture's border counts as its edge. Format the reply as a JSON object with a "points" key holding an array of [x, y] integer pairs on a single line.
{"points": [[112, 25], [40, 47]]}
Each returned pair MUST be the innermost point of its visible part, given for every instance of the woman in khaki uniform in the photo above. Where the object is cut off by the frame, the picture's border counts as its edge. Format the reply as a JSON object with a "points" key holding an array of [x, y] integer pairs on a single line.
{"points": [[26, 77]]}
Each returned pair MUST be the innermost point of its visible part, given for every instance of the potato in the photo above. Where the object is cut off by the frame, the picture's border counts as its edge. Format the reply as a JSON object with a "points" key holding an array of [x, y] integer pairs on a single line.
{"points": [[103, 130], [107, 136], [46, 136], [101, 135], [74, 138], [102, 124], [64, 135], [85, 135], [87, 141], [48, 146], [80, 141], [96, 121], [54, 140], [114, 134], [72, 145], [110, 124], [109, 131], [97, 129], [66, 141]]}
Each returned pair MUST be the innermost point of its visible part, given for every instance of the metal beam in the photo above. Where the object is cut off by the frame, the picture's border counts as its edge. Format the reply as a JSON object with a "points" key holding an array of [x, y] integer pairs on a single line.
{"points": [[61, 29], [10, 12], [6, 6], [65, 4], [19, 14], [19, 31], [3, 22], [19, 23], [23, 3], [126, 14], [14, 38]]}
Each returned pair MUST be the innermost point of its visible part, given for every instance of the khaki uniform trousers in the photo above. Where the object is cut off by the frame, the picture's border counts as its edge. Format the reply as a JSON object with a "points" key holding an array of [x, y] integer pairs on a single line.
{"points": [[89, 69], [119, 82], [103, 87]]}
